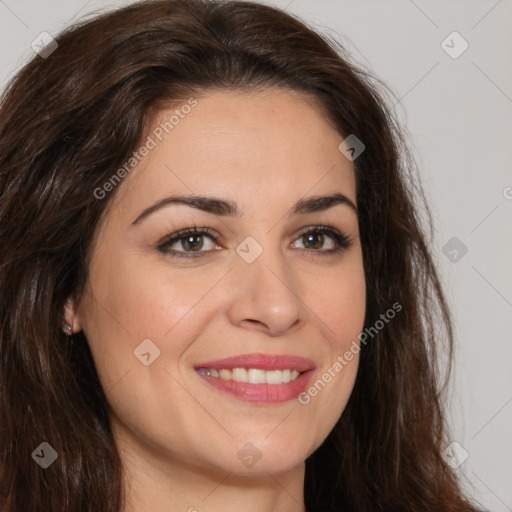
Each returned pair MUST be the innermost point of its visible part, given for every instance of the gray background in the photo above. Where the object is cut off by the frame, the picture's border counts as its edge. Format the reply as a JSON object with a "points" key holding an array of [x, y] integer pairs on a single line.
{"points": [[459, 114]]}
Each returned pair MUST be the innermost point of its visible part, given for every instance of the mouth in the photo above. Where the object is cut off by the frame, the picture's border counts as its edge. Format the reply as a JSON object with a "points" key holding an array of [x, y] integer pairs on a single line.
{"points": [[259, 378]]}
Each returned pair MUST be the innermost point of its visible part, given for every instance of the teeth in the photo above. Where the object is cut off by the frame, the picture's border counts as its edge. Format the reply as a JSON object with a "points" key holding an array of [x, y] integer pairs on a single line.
{"points": [[256, 376], [225, 374], [274, 377], [239, 375], [252, 375]]}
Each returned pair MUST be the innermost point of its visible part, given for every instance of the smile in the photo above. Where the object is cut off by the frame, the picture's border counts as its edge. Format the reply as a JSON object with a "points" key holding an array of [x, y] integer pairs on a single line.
{"points": [[259, 378]]}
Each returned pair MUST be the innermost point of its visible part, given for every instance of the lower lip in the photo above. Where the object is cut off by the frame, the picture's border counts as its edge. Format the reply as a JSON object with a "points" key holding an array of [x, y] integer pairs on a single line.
{"points": [[261, 393]]}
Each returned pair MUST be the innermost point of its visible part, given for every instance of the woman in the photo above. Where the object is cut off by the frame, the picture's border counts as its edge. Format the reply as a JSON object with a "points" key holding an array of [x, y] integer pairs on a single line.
{"points": [[216, 293]]}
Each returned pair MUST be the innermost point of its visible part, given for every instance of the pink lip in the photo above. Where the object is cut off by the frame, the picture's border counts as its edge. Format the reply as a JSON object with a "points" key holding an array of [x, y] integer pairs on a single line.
{"points": [[261, 393], [261, 361]]}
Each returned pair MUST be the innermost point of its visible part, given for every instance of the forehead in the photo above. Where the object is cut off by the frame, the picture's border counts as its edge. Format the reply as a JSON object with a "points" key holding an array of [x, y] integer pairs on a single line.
{"points": [[274, 145]]}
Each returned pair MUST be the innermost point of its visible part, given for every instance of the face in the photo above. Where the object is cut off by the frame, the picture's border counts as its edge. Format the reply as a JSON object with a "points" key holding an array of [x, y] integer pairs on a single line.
{"points": [[273, 292]]}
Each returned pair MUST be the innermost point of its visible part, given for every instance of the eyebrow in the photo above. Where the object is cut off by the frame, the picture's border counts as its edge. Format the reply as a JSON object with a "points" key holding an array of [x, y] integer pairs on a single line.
{"points": [[224, 207]]}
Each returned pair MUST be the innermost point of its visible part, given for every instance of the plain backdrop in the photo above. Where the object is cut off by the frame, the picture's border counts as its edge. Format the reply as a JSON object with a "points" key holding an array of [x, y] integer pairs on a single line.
{"points": [[454, 95]]}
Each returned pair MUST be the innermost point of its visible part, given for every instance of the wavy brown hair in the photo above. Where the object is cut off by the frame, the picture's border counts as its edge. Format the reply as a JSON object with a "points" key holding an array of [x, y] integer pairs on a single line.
{"points": [[69, 121]]}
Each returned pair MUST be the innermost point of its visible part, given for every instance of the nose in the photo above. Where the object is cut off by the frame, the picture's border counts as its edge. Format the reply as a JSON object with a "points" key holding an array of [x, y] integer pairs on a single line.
{"points": [[266, 296]]}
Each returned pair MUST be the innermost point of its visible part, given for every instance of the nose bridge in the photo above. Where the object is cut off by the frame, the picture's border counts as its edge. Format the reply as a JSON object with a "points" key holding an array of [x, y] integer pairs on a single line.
{"points": [[263, 257], [266, 288]]}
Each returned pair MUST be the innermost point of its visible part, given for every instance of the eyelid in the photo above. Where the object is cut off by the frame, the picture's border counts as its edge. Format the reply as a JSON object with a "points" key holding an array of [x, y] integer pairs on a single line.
{"points": [[182, 233]]}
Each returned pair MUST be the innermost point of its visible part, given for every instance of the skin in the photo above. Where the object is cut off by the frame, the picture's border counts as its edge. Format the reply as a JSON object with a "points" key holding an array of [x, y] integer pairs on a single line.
{"points": [[178, 436]]}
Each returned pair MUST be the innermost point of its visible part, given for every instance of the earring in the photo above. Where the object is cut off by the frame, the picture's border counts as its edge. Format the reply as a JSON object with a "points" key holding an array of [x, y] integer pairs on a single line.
{"points": [[69, 329]]}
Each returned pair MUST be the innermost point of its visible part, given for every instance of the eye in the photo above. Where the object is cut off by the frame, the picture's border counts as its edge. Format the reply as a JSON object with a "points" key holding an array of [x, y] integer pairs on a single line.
{"points": [[189, 242], [316, 235], [190, 238]]}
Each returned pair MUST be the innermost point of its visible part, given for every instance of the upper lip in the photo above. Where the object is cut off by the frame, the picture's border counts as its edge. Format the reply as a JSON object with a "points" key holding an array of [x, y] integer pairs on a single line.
{"points": [[262, 362]]}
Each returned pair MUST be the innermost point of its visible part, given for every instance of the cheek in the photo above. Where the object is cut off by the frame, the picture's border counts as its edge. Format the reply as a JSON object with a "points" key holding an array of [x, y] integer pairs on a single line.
{"points": [[146, 299], [340, 305], [338, 298], [134, 300]]}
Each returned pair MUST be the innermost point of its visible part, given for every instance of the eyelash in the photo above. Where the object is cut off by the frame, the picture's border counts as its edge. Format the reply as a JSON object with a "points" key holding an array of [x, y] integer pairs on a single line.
{"points": [[343, 241]]}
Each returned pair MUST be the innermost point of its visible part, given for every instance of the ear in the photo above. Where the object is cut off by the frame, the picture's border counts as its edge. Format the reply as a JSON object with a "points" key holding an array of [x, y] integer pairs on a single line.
{"points": [[71, 316]]}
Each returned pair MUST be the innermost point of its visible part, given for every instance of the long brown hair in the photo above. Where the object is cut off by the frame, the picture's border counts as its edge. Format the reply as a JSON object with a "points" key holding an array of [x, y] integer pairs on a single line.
{"points": [[70, 120]]}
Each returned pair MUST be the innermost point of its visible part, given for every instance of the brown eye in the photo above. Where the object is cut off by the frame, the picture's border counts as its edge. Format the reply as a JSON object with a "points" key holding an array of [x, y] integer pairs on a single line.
{"points": [[190, 242], [187, 241], [315, 237]]}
